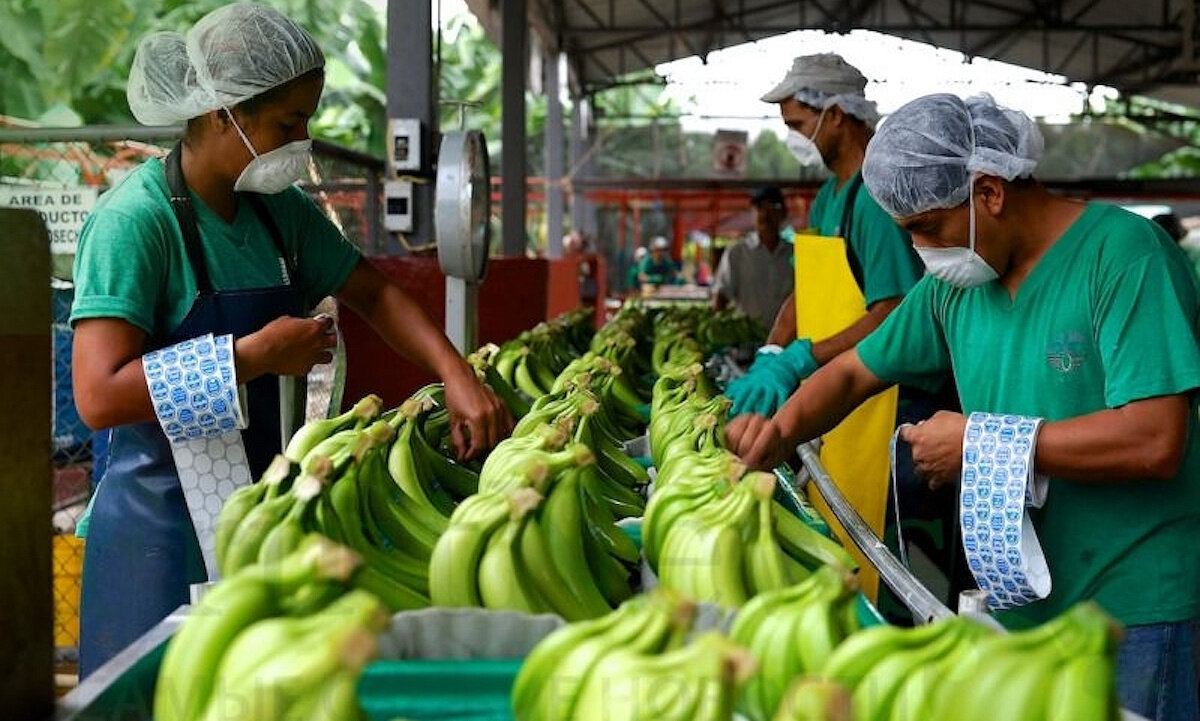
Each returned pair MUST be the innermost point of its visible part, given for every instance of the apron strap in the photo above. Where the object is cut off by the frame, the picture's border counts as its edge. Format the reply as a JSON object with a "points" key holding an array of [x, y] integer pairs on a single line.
{"points": [[268, 220], [185, 215], [845, 227]]}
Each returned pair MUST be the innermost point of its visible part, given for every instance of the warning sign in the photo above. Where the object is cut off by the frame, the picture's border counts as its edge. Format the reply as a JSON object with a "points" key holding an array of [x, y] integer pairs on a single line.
{"points": [[729, 153], [63, 208]]}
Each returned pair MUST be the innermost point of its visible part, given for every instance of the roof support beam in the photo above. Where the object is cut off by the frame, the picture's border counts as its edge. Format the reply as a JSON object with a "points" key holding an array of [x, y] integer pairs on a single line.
{"points": [[515, 61]]}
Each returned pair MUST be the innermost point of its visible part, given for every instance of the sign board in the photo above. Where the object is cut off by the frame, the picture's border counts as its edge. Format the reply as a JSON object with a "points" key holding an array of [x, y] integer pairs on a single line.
{"points": [[729, 153], [63, 208]]}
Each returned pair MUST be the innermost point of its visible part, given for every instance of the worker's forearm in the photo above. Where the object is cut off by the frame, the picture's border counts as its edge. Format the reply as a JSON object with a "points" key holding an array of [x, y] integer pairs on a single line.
{"points": [[783, 331], [827, 397]]}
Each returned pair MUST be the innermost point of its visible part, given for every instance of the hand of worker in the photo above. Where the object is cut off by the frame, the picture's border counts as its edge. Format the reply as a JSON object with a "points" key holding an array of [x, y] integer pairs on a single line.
{"points": [[478, 418], [758, 441], [937, 447], [287, 346], [772, 378]]}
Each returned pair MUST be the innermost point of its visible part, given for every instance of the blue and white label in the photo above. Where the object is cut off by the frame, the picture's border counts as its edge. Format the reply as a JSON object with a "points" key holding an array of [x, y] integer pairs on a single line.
{"points": [[194, 389], [998, 484], [186, 380]]}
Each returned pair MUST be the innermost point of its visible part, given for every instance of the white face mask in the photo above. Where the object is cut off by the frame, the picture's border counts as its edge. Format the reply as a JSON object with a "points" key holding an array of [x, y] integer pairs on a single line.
{"points": [[958, 266], [274, 171], [804, 148]]}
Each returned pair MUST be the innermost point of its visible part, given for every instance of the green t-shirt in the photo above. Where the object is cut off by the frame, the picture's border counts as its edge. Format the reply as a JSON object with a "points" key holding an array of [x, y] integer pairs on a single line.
{"points": [[1109, 315], [890, 267], [131, 262]]}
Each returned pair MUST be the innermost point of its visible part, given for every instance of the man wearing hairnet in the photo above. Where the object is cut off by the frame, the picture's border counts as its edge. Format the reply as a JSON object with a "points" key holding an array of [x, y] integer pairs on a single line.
{"points": [[852, 267], [1077, 320], [193, 281]]}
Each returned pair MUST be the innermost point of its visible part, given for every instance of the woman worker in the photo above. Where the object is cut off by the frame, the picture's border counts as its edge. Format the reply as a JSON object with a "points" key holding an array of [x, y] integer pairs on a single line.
{"points": [[216, 240]]}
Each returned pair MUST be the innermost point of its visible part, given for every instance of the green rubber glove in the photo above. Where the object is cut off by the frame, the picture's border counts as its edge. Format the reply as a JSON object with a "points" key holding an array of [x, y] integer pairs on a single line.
{"points": [[771, 379]]}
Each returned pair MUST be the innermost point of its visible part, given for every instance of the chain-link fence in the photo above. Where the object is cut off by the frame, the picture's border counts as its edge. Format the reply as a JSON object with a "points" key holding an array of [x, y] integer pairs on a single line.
{"points": [[61, 172]]}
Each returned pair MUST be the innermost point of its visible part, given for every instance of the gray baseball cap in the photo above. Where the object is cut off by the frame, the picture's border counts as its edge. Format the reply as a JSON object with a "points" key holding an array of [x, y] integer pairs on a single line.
{"points": [[826, 73]]}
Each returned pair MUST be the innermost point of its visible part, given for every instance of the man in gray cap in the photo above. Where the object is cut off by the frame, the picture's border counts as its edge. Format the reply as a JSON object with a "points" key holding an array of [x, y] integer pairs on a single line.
{"points": [[852, 268], [830, 122]]}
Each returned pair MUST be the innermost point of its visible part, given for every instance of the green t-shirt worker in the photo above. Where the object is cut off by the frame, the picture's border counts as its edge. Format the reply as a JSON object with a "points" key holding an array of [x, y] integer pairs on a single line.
{"points": [[658, 268], [198, 272], [1081, 315], [830, 121]]}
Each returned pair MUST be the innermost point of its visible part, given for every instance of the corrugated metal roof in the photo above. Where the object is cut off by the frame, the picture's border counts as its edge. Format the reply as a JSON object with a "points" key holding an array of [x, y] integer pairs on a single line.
{"points": [[1149, 47]]}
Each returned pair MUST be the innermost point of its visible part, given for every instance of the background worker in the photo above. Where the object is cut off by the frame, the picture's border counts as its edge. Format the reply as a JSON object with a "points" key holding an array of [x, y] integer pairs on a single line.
{"points": [[658, 268], [755, 275], [215, 240], [1082, 315], [852, 268]]}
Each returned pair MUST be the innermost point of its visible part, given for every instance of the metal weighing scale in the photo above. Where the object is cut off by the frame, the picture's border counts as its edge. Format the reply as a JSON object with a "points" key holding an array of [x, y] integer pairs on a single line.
{"points": [[462, 229]]}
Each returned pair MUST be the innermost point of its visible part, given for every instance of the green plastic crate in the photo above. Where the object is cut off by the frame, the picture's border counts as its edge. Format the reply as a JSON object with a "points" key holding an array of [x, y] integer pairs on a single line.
{"points": [[438, 690]]}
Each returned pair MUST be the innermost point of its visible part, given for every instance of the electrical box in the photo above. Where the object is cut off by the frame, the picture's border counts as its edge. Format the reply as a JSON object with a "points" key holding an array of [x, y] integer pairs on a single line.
{"points": [[398, 206], [404, 148]]}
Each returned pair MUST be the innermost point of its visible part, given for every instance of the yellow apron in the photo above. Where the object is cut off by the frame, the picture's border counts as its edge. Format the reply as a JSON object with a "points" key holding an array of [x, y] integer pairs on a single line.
{"points": [[855, 453]]}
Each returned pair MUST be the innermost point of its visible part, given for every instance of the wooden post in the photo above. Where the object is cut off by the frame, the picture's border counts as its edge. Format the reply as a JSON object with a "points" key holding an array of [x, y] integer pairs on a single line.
{"points": [[26, 596]]}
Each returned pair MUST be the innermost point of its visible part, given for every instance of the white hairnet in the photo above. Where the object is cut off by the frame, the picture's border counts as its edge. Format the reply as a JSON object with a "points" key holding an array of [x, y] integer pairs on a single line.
{"points": [[822, 81], [926, 153], [232, 54]]}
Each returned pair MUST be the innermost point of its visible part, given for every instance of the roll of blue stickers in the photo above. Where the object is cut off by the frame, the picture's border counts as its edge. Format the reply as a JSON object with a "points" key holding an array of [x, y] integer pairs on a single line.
{"points": [[998, 484], [193, 387]]}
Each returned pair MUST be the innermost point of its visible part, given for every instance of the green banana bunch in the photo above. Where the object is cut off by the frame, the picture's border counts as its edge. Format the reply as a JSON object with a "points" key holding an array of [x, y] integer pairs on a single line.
{"points": [[698, 682], [276, 664], [793, 631], [685, 494], [703, 553], [276, 479], [1061, 669], [188, 671], [515, 461], [245, 540], [482, 361], [429, 504], [535, 541], [458, 479], [551, 679], [727, 328], [310, 434], [815, 699], [712, 463]]}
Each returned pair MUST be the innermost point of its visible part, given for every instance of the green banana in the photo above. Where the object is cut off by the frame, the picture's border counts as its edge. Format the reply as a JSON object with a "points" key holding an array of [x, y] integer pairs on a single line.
{"points": [[696, 682], [806, 544], [459, 480], [503, 583], [562, 521], [815, 699], [188, 670], [243, 500], [288, 534], [310, 434], [275, 662], [430, 508], [454, 565]]}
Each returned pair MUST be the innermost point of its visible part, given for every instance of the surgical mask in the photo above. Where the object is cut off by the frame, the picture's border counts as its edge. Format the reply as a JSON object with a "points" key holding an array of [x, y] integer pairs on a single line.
{"points": [[274, 171], [804, 148], [958, 266]]}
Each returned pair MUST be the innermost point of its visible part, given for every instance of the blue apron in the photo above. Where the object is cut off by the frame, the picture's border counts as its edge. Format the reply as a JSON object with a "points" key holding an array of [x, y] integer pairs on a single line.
{"points": [[141, 553]]}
